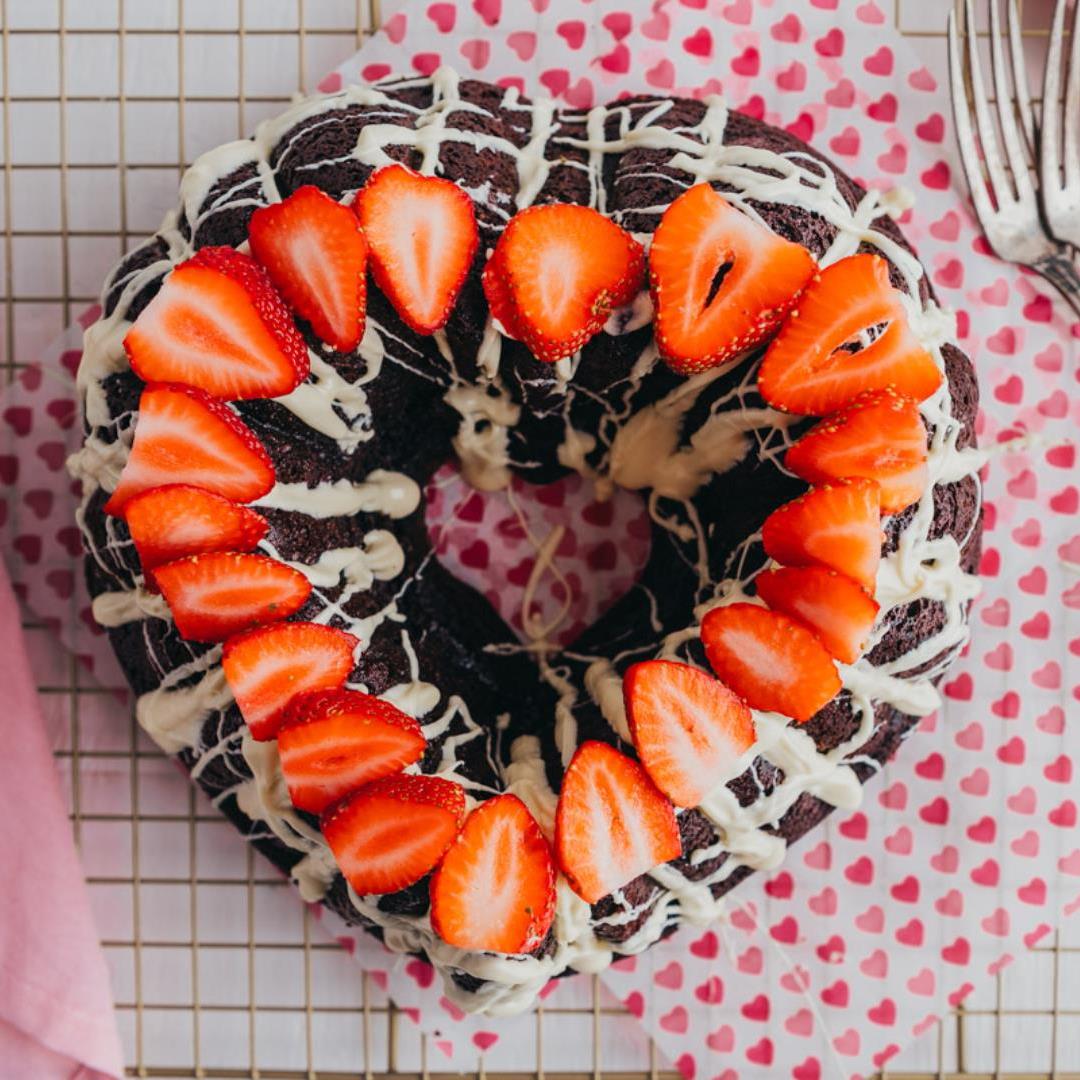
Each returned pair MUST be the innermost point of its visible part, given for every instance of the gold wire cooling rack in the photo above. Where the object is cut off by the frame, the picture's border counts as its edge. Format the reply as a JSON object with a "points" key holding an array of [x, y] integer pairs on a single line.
{"points": [[101, 110]]}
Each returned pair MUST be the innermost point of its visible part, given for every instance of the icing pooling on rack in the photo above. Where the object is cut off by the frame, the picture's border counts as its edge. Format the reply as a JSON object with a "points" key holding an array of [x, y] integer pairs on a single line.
{"points": [[649, 450]]}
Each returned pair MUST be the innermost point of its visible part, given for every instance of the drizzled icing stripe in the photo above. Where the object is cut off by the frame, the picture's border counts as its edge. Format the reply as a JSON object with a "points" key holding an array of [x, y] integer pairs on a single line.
{"points": [[648, 451]]}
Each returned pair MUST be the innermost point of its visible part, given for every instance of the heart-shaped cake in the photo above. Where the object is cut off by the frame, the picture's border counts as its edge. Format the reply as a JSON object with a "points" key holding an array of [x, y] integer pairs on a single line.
{"points": [[657, 294]]}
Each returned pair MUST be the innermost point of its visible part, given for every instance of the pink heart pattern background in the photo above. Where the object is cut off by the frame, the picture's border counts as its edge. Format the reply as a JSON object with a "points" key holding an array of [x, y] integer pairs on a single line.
{"points": [[967, 850]]}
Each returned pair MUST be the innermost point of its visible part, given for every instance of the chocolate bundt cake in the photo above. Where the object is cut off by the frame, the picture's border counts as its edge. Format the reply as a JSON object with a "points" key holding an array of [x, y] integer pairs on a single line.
{"points": [[352, 447]]}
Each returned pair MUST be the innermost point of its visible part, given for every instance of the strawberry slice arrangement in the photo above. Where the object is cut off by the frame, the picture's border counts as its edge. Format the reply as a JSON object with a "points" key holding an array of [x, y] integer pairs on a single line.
{"points": [[879, 436], [334, 741], [185, 436], [495, 887], [387, 835], [557, 273], [836, 607], [167, 523], [689, 728], [217, 594], [774, 663], [422, 236], [720, 282], [843, 349], [612, 822], [835, 525], [270, 665], [810, 370], [316, 256], [221, 329], [218, 324]]}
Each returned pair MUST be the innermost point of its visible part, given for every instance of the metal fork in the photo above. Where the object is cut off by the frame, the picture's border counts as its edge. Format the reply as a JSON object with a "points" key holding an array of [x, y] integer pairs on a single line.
{"points": [[1059, 143], [1034, 228]]}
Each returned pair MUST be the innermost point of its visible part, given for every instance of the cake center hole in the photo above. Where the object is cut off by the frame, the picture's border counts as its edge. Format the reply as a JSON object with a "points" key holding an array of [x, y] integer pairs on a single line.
{"points": [[550, 558]]}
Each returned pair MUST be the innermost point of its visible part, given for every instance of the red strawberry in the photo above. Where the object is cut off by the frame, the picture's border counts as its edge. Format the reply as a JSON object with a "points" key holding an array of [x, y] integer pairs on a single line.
{"points": [[421, 234], [218, 324], [167, 523], [688, 728], [835, 607], [268, 666], [612, 824], [215, 595], [561, 269], [720, 282], [316, 255], [807, 371], [772, 662], [880, 436], [389, 834], [333, 741], [837, 525], [183, 435], [495, 887]]}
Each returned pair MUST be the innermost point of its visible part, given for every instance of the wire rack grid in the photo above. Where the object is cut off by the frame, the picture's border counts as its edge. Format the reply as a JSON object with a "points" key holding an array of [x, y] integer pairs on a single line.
{"points": [[217, 970]]}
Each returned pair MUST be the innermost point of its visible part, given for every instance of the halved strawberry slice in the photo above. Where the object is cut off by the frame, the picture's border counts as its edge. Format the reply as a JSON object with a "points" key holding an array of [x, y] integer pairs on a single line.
{"points": [[218, 324], [389, 834], [561, 269], [183, 435], [612, 823], [835, 607], [220, 593], [880, 436], [167, 523], [771, 661], [268, 666], [333, 741], [316, 255], [495, 887], [688, 728], [807, 370], [837, 525], [422, 236], [720, 282]]}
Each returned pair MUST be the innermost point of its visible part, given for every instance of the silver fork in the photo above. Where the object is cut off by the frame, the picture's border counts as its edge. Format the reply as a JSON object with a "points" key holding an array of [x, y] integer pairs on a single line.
{"points": [[1006, 201], [1059, 141]]}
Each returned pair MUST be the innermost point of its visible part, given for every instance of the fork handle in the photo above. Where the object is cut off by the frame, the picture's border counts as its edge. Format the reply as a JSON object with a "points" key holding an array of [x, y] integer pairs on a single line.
{"points": [[1062, 274]]}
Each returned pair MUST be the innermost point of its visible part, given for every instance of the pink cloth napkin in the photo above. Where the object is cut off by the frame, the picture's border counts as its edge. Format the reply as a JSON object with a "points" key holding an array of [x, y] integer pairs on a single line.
{"points": [[56, 1013]]}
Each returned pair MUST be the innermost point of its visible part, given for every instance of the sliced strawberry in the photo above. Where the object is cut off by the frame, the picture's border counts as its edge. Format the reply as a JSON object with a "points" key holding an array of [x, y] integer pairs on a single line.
{"points": [[837, 525], [807, 368], [771, 661], [333, 741], [837, 608], [612, 823], [421, 234], [218, 324], [183, 435], [268, 666], [220, 593], [880, 436], [167, 523], [720, 282], [316, 255], [556, 274], [495, 887], [389, 834], [688, 728]]}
